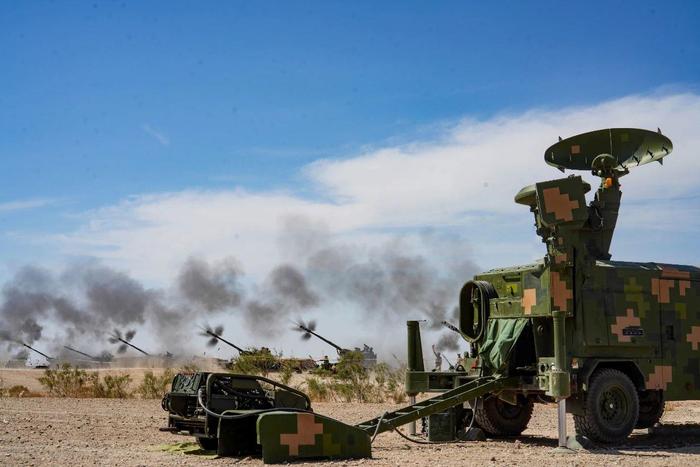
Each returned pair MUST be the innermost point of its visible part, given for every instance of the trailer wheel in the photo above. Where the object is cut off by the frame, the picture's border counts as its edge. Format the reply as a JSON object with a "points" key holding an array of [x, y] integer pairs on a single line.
{"points": [[498, 418], [651, 408], [208, 444], [610, 408]]}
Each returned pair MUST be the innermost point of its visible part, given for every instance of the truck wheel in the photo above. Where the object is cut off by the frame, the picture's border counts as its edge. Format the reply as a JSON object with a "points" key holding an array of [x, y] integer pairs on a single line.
{"points": [[499, 418], [651, 408], [208, 444], [610, 408]]}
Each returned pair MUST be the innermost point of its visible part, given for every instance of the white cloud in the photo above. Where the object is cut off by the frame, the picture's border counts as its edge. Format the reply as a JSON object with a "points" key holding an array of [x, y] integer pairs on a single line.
{"points": [[158, 135], [21, 205], [466, 179]]}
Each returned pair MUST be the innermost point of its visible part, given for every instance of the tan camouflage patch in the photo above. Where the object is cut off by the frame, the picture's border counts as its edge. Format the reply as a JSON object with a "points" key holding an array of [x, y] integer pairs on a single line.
{"points": [[661, 288], [694, 337], [660, 377], [683, 286], [559, 204], [560, 292], [621, 322], [673, 273], [561, 258], [307, 429], [575, 149], [529, 300]]}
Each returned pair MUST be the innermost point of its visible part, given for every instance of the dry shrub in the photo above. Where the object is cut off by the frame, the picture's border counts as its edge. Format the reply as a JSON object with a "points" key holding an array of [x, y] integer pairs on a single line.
{"points": [[258, 362], [17, 390], [113, 387], [155, 387], [68, 381], [286, 372], [352, 382], [317, 390]]}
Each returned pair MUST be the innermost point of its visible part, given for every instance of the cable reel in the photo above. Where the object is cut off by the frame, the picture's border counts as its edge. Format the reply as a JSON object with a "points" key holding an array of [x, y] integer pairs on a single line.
{"points": [[474, 309]]}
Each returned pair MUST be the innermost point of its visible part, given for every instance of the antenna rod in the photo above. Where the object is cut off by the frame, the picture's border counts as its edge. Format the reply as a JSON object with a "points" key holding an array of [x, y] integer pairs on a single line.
{"points": [[79, 352], [216, 336], [35, 350]]}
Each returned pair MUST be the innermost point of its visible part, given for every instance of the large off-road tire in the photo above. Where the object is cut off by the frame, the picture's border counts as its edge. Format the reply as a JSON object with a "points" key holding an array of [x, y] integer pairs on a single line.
{"points": [[208, 444], [651, 408], [610, 408], [498, 418]]}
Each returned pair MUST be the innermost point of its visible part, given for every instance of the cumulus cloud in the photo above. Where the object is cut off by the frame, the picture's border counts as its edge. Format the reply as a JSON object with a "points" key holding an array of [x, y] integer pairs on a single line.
{"points": [[464, 180]]}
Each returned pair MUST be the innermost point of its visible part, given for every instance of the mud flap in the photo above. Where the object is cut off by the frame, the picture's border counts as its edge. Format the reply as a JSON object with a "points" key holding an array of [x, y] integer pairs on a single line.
{"points": [[286, 436]]}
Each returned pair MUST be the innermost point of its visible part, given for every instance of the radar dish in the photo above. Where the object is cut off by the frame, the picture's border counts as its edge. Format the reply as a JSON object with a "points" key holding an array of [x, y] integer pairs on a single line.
{"points": [[629, 147]]}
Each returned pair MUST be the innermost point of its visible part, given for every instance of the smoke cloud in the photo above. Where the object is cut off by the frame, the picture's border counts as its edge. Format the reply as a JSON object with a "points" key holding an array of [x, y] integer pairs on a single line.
{"points": [[398, 279]]}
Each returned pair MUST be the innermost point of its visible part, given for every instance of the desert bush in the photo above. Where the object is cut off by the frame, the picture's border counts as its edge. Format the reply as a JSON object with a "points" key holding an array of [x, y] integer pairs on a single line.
{"points": [[66, 381], [317, 390], [17, 390], [154, 387], [286, 371], [352, 382], [113, 387], [258, 362]]}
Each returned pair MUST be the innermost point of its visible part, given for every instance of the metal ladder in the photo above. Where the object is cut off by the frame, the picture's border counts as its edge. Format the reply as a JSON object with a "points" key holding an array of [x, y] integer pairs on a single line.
{"points": [[440, 403]]}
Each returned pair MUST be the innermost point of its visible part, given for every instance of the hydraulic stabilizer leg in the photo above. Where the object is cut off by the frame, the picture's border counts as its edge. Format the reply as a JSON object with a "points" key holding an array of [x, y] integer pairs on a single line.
{"points": [[415, 362], [559, 381]]}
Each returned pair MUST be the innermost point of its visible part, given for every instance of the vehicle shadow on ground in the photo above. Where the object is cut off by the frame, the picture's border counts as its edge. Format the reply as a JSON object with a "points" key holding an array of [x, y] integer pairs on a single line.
{"points": [[674, 439]]}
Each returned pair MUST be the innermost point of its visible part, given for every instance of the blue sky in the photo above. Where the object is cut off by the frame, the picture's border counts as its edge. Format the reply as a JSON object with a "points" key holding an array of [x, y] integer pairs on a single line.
{"points": [[105, 104]]}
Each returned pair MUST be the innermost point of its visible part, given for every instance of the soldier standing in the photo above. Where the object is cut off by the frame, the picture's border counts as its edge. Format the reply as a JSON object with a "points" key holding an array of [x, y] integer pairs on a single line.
{"points": [[438, 359]]}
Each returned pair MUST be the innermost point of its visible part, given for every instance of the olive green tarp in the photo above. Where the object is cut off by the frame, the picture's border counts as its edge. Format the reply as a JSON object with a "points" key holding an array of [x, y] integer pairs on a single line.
{"points": [[501, 335]]}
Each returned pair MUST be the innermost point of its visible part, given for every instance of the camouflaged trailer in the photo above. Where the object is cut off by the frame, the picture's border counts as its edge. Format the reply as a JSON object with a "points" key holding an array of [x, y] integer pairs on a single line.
{"points": [[615, 339]]}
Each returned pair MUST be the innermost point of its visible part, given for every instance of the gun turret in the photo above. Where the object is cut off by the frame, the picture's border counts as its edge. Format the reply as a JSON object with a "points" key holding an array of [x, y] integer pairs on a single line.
{"points": [[37, 351]]}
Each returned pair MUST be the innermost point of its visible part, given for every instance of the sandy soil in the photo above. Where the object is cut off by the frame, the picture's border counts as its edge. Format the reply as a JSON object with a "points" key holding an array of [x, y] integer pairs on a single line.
{"points": [[49, 431]]}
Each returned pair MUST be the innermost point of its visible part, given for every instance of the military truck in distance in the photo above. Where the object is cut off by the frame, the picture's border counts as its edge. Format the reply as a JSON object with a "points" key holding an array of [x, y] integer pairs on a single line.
{"points": [[615, 339]]}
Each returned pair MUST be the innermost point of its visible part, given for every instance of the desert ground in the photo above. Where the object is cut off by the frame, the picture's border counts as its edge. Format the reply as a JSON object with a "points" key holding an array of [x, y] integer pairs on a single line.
{"points": [[52, 431]]}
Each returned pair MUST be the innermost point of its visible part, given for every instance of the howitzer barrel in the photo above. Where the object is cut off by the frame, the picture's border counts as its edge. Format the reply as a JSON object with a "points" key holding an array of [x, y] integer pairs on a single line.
{"points": [[79, 352], [37, 351], [216, 336], [133, 346], [338, 348]]}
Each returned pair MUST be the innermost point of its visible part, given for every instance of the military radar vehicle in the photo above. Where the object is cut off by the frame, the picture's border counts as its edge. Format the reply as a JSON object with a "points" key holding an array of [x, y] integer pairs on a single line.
{"points": [[613, 339], [608, 341]]}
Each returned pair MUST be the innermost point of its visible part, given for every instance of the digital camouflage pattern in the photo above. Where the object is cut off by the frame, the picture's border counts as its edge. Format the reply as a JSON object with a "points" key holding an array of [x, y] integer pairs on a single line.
{"points": [[647, 314], [287, 436]]}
